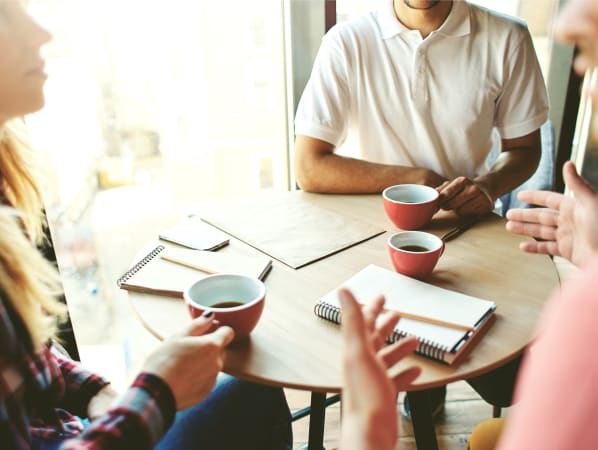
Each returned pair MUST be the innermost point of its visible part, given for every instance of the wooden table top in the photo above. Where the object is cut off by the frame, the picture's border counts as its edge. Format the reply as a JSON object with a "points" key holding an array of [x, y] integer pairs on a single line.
{"points": [[291, 347]]}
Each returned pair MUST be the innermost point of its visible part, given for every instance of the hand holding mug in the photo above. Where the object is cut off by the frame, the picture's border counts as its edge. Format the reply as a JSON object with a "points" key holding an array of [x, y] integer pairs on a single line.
{"points": [[189, 362]]}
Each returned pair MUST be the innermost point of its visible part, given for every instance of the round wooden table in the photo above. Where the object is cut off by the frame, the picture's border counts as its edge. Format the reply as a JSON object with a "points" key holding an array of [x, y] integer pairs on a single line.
{"points": [[291, 347]]}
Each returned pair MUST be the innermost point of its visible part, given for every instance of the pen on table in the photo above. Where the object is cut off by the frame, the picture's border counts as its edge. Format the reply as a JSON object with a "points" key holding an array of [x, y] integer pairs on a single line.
{"points": [[460, 229]]}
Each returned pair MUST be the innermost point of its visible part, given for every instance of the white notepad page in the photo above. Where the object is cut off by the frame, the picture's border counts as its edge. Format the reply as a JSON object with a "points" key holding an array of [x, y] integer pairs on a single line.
{"points": [[416, 297]]}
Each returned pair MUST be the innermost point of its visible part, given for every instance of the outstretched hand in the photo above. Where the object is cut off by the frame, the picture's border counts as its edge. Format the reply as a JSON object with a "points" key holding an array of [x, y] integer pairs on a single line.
{"points": [[369, 391], [189, 362], [566, 225]]}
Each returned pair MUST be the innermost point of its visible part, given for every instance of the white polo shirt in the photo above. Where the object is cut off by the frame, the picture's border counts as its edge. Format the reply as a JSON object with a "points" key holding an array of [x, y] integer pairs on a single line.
{"points": [[428, 102]]}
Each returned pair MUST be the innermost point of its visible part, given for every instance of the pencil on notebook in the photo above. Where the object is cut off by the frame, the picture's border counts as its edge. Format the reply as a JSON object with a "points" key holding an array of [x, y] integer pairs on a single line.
{"points": [[410, 316], [188, 264], [443, 323]]}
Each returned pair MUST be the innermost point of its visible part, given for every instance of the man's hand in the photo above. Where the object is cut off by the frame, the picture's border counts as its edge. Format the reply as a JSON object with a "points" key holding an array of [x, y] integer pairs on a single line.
{"points": [[465, 197], [566, 225], [189, 362], [369, 392]]}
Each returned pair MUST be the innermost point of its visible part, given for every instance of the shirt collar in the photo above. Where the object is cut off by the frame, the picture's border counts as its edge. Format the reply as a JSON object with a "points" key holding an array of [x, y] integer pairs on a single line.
{"points": [[456, 24]]}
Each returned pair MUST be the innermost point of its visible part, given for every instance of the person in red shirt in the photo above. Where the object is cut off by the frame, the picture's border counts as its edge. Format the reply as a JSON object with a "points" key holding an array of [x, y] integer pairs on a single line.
{"points": [[560, 362]]}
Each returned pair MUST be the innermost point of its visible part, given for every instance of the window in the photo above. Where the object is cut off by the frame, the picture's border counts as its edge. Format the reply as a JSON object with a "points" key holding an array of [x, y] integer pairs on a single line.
{"points": [[152, 106]]}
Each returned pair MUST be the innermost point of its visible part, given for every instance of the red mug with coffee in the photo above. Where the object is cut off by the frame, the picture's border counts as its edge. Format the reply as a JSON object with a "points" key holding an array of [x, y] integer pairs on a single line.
{"points": [[415, 253], [410, 206]]}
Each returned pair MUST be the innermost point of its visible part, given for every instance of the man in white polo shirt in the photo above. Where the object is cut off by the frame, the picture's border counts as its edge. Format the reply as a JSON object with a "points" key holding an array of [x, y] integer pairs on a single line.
{"points": [[418, 87]]}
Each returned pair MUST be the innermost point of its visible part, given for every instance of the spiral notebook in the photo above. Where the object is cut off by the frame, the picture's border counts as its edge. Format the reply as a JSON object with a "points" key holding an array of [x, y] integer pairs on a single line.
{"points": [[170, 270], [447, 323]]}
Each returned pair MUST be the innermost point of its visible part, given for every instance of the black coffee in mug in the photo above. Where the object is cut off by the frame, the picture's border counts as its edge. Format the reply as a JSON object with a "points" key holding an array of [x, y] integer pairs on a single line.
{"points": [[414, 248], [229, 304]]}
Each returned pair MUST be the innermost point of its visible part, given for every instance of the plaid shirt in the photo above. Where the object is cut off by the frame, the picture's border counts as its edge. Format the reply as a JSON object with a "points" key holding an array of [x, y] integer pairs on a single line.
{"points": [[40, 394]]}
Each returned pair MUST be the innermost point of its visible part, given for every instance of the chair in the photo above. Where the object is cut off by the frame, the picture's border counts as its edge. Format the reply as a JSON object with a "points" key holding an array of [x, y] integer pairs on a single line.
{"points": [[66, 335], [542, 179]]}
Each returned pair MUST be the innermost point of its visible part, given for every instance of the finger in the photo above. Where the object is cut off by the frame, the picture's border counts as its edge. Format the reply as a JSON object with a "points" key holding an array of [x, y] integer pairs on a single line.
{"points": [[404, 379], [469, 193], [472, 200], [548, 199], [476, 204], [384, 328], [580, 189], [452, 189], [394, 353], [542, 247], [535, 230], [442, 186], [372, 311], [223, 336], [386, 325], [544, 216], [353, 326], [197, 327]]}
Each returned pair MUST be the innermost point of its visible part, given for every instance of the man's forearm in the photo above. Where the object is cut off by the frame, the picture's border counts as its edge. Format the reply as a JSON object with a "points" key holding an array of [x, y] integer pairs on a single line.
{"points": [[334, 174], [511, 169]]}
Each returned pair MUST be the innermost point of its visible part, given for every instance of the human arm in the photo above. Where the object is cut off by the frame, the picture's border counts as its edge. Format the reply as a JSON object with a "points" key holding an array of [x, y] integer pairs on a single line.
{"points": [[560, 362], [517, 162], [566, 224], [369, 390], [179, 373], [319, 169], [80, 385]]}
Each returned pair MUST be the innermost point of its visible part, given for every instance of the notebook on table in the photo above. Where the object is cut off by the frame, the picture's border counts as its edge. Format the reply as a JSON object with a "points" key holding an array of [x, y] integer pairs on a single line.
{"points": [[169, 271], [289, 227], [447, 323]]}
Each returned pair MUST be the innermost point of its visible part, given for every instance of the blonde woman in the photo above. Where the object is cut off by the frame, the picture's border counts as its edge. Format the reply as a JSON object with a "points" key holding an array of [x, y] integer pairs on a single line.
{"points": [[48, 401]]}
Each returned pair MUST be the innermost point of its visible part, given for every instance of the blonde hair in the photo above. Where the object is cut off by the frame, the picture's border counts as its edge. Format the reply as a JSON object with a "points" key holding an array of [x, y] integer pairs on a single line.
{"points": [[28, 281], [19, 178]]}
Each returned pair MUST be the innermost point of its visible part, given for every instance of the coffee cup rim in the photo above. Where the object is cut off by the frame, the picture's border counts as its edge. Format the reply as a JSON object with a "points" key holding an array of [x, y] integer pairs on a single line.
{"points": [[415, 232], [259, 297], [423, 187]]}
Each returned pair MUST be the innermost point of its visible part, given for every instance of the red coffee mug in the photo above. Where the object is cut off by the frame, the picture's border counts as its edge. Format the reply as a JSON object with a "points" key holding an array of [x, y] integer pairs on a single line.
{"points": [[410, 206], [236, 300], [415, 253]]}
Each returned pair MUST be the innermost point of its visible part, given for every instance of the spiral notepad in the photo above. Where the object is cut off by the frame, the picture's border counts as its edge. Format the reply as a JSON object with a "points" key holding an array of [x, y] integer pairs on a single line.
{"points": [[470, 315], [139, 265], [169, 270]]}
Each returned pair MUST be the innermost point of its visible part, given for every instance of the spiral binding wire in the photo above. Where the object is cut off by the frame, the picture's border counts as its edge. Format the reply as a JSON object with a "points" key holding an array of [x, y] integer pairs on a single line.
{"points": [[328, 312], [426, 347], [137, 267]]}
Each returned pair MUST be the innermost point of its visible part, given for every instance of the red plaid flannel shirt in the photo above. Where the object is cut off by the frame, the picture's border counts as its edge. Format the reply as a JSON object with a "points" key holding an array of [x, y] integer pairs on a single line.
{"points": [[40, 394]]}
